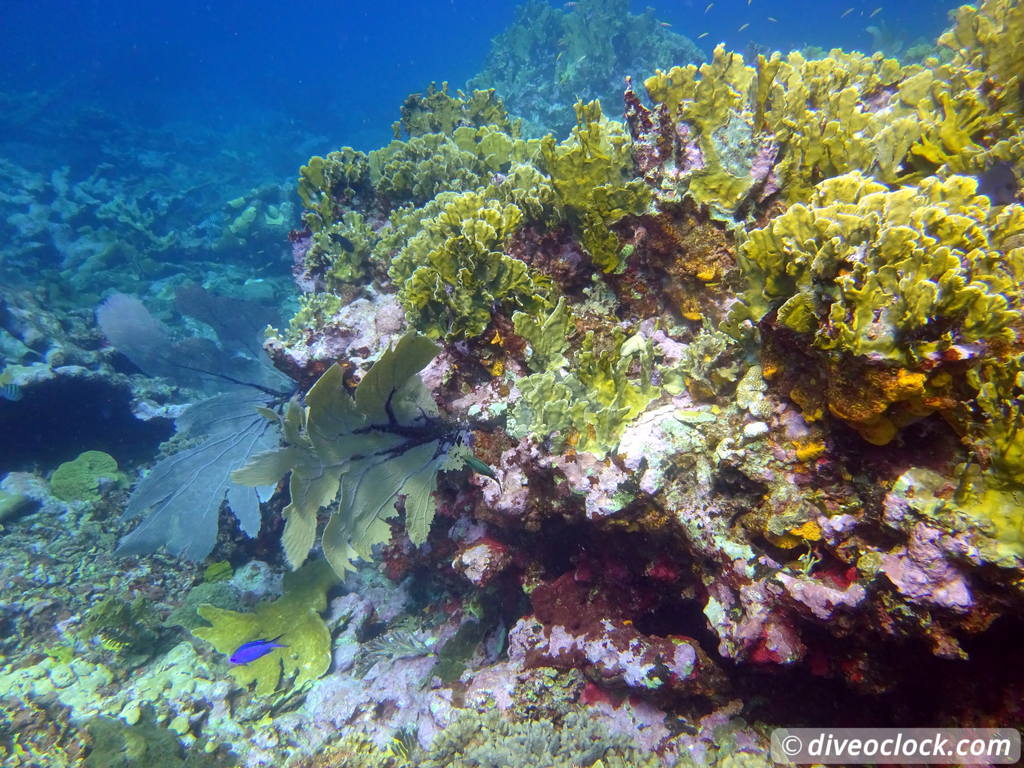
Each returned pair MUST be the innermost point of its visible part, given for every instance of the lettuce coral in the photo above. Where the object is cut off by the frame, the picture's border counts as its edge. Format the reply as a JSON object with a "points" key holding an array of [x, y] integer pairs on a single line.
{"points": [[341, 251], [894, 283], [592, 173], [587, 407], [897, 277], [417, 170], [717, 132], [703, 138], [454, 272], [547, 336], [325, 183], [437, 111]]}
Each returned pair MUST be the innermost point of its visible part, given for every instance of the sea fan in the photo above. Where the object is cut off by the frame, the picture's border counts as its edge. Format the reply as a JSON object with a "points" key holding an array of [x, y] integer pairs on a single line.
{"points": [[365, 452], [181, 496]]}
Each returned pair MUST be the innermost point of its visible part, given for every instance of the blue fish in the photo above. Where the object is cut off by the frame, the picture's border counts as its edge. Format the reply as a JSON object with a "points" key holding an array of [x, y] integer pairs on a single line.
{"points": [[10, 392], [255, 649]]}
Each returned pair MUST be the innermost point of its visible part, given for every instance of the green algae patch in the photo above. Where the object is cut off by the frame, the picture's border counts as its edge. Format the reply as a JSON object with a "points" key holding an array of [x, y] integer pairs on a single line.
{"points": [[11, 504], [219, 571], [587, 408], [117, 745], [295, 617], [79, 479]]}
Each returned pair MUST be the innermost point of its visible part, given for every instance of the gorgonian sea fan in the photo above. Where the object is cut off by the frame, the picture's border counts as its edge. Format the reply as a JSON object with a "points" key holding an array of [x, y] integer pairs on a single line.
{"points": [[360, 454]]}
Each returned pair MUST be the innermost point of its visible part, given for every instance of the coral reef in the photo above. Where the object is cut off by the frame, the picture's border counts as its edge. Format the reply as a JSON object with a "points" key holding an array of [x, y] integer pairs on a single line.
{"points": [[453, 273], [744, 381], [138, 216], [728, 134], [488, 740], [911, 287], [33, 734], [550, 58], [328, 459], [436, 111], [117, 745], [589, 407], [591, 173], [615, 449]]}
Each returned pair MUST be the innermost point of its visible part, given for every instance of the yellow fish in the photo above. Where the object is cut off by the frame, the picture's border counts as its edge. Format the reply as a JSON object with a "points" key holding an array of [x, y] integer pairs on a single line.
{"points": [[702, 35], [742, 27], [710, 6]]}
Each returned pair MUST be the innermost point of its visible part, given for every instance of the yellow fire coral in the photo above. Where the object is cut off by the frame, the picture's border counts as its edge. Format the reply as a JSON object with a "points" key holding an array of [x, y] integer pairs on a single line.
{"points": [[453, 273], [840, 113], [592, 176], [983, 39], [896, 277], [890, 285]]}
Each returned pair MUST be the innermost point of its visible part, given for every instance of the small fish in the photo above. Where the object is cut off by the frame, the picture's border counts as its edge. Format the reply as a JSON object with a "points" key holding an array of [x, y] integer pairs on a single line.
{"points": [[773, 20], [875, 12], [742, 27], [665, 24], [255, 649], [344, 242], [482, 468], [710, 6], [702, 35], [11, 392], [846, 13], [998, 183]]}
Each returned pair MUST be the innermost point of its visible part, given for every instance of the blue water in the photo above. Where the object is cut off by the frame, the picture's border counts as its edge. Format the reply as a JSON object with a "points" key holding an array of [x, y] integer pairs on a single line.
{"points": [[173, 110], [338, 71]]}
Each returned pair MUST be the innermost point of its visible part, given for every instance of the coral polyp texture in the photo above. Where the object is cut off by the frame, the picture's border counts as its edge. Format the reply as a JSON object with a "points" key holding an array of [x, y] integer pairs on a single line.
{"points": [[620, 447], [741, 376], [918, 285]]}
